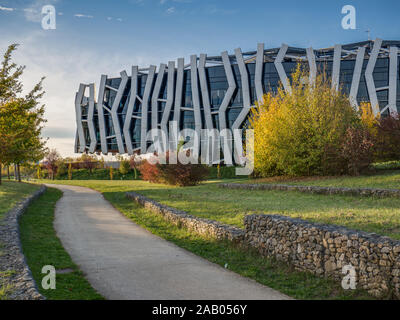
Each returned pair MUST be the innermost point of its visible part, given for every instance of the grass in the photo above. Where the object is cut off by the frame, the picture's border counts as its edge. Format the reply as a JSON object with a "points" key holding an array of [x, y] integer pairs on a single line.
{"points": [[97, 174], [378, 215], [300, 285], [13, 192], [388, 179], [209, 201], [41, 247], [5, 288]]}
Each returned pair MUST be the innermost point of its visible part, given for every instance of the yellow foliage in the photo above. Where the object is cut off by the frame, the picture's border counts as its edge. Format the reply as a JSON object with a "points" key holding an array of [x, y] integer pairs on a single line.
{"points": [[369, 119], [293, 132]]}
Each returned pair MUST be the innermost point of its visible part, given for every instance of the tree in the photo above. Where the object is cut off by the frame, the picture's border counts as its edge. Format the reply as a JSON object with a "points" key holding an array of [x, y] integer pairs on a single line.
{"points": [[134, 163], [21, 117], [69, 171], [39, 171], [89, 162], [51, 160], [301, 132]]}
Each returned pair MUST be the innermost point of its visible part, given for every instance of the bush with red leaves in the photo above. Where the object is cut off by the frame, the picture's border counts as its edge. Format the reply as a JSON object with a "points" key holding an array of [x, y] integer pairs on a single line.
{"points": [[388, 138], [174, 174], [357, 150], [149, 172]]}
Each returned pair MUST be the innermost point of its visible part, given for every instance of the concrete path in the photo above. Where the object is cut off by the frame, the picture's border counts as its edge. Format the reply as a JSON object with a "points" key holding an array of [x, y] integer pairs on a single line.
{"points": [[123, 261]]}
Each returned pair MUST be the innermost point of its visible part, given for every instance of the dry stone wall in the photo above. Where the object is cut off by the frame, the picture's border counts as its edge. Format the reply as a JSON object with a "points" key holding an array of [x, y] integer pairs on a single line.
{"points": [[12, 260], [325, 249], [317, 248], [181, 218], [314, 189]]}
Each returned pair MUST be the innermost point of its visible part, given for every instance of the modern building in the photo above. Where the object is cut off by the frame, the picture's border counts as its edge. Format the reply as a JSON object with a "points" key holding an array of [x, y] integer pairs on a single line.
{"points": [[218, 92]]}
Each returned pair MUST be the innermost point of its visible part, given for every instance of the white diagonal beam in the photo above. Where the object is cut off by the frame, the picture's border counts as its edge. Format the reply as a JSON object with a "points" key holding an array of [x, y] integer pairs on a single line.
{"points": [[100, 114], [312, 65], [337, 54], [156, 95], [373, 98], [195, 93], [204, 91], [179, 90], [170, 96], [259, 72], [76, 149], [145, 108], [229, 93], [78, 113], [114, 111], [129, 111], [355, 82], [393, 53], [245, 90], [90, 119], [279, 67]]}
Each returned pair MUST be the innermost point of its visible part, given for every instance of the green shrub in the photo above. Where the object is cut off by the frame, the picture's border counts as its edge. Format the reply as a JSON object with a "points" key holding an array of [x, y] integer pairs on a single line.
{"points": [[224, 173]]}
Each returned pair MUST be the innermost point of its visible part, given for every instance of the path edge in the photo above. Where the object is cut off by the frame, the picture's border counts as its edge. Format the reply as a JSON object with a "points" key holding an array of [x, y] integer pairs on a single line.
{"points": [[23, 284]]}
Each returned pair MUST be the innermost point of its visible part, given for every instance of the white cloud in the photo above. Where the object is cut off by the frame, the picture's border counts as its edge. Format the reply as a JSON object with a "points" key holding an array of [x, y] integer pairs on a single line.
{"points": [[109, 18], [80, 15], [119, 19], [215, 10], [33, 13], [170, 10], [6, 9], [65, 66]]}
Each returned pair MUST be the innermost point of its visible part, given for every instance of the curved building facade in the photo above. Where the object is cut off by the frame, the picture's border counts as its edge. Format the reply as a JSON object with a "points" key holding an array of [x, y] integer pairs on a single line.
{"points": [[218, 92]]}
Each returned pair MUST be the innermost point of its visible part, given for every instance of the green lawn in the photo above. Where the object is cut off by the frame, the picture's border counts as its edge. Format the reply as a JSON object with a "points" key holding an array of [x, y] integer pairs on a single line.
{"points": [[280, 276], [386, 179], [5, 288], [379, 215], [41, 247], [13, 192]]}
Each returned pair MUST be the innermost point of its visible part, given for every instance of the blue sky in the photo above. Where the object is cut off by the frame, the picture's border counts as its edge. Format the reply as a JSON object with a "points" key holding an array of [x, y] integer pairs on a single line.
{"points": [[104, 36]]}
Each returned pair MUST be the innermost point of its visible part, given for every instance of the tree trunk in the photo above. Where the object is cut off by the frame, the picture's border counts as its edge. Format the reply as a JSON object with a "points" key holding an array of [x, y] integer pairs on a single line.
{"points": [[1, 172], [8, 172], [19, 173], [15, 172]]}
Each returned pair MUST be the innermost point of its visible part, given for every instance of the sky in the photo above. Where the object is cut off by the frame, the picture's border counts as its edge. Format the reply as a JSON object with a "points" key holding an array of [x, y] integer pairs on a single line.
{"points": [[94, 37]]}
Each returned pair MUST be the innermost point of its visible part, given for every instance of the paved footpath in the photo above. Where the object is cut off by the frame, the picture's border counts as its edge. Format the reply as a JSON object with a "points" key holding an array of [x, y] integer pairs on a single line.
{"points": [[124, 261]]}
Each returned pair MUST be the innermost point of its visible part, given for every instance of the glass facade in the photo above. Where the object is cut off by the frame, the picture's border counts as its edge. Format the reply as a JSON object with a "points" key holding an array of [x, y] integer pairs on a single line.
{"points": [[217, 85]]}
